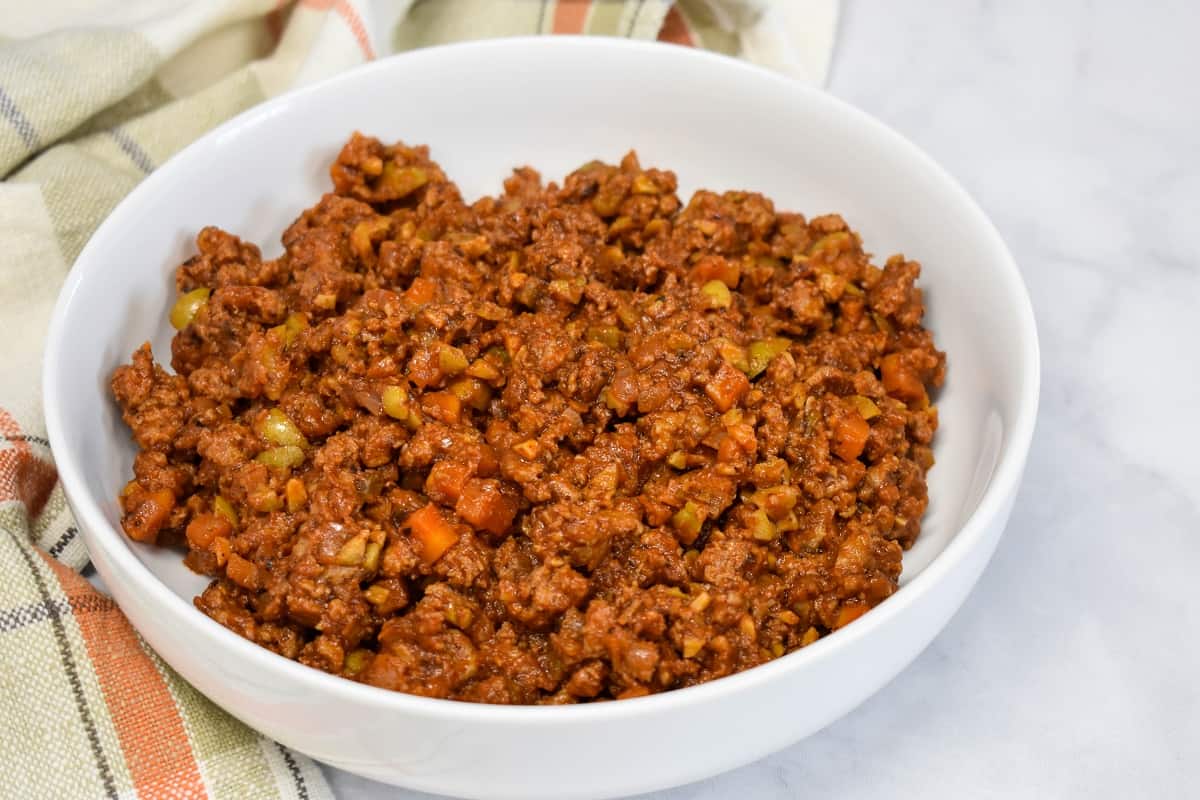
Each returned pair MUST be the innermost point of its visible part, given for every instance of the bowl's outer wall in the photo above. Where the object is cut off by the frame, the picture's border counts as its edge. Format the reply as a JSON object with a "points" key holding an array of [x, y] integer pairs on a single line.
{"points": [[555, 104]]}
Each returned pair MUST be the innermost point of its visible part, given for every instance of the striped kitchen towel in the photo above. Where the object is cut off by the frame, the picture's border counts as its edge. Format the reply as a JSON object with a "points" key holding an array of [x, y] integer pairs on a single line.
{"points": [[93, 96]]}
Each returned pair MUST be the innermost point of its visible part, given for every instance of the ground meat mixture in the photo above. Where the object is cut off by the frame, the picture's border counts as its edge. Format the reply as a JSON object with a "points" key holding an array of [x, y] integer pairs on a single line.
{"points": [[570, 443]]}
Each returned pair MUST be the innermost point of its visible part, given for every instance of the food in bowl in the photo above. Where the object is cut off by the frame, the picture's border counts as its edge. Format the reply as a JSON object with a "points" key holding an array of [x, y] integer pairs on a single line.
{"points": [[564, 444]]}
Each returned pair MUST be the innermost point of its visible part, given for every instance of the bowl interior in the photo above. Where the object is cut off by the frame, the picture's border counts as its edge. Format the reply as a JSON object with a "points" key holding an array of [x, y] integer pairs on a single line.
{"points": [[553, 105]]}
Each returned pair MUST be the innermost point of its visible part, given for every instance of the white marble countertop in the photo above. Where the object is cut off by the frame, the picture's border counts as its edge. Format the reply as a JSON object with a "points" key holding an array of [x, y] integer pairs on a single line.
{"points": [[1073, 670]]}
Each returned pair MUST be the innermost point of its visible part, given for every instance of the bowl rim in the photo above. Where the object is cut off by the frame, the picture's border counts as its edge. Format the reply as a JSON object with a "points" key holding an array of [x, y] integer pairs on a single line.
{"points": [[1001, 486]]}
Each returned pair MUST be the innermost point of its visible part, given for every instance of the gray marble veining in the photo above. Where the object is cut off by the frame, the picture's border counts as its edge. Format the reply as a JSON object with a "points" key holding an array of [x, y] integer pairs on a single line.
{"points": [[1073, 670]]}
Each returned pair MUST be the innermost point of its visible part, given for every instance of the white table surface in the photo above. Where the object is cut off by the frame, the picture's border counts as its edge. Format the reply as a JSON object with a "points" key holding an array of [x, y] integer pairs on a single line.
{"points": [[1073, 670]]}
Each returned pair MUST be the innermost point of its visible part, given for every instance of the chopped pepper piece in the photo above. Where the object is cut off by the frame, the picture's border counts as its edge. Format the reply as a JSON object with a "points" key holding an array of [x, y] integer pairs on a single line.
{"points": [[716, 295], [687, 522], [187, 306], [760, 353]]}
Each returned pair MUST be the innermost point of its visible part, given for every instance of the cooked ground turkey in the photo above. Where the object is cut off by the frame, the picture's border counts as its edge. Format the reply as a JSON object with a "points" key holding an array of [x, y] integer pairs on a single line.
{"points": [[570, 443]]}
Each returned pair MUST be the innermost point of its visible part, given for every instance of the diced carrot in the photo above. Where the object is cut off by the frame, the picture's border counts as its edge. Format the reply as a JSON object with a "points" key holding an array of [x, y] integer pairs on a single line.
{"points": [[849, 613], [242, 572], [486, 506], [727, 387], [900, 380], [744, 435], [149, 513], [728, 450], [445, 481], [431, 529], [421, 291], [443, 406], [717, 268], [206, 527], [222, 549], [296, 493], [848, 434]]}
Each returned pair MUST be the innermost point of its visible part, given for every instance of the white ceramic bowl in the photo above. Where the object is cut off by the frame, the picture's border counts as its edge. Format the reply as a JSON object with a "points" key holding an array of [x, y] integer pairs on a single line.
{"points": [[555, 103]]}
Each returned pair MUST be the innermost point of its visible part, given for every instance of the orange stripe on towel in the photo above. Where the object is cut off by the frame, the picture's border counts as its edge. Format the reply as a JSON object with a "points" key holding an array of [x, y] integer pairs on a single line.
{"points": [[675, 29], [571, 15], [147, 721], [354, 22], [23, 476]]}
